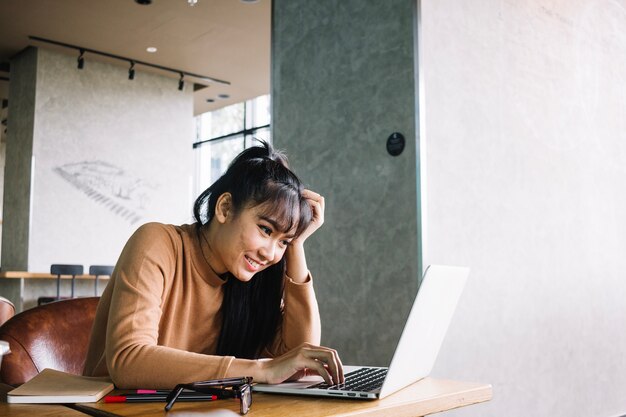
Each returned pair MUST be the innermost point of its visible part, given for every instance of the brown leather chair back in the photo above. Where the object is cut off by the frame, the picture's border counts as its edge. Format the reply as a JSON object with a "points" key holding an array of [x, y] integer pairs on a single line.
{"points": [[54, 335], [7, 310]]}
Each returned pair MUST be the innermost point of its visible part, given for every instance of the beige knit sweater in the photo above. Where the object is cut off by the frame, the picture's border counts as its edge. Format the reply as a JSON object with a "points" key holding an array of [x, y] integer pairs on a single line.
{"points": [[158, 320]]}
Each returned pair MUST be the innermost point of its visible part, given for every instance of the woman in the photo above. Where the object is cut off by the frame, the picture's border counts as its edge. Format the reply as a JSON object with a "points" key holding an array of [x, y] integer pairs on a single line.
{"points": [[207, 300]]}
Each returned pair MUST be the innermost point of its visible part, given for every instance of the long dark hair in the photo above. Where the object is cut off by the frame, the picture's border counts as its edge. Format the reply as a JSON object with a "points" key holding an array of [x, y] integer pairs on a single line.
{"points": [[251, 311]]}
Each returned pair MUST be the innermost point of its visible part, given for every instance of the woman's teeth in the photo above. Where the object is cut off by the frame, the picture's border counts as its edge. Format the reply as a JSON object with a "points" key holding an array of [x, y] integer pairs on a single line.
{"points": [[253, 263]]}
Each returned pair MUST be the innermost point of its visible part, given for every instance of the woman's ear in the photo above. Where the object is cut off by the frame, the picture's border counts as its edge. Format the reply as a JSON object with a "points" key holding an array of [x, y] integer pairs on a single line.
{"points": [[224, 207]]}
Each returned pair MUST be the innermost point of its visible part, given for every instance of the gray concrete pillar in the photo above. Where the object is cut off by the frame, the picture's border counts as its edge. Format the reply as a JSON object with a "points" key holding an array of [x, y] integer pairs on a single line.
{"points": [[18, 168], [343, 81]]}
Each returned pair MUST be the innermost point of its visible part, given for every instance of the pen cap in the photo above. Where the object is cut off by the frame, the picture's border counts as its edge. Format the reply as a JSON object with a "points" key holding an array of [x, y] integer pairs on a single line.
{"points": [[115, 399]]}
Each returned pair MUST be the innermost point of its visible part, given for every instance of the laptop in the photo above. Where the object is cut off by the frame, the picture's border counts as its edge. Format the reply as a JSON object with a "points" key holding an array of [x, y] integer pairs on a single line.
{"points": [[415, 353]]}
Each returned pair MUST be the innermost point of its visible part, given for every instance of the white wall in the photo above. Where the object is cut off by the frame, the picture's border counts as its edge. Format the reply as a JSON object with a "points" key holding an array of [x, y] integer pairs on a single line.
{"points": [[125, 147], [525, 105], [108, 154]]}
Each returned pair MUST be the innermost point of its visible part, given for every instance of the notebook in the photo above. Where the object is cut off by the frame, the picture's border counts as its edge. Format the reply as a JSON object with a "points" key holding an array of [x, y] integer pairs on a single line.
{"points": [[415, 352], [52, 386]]}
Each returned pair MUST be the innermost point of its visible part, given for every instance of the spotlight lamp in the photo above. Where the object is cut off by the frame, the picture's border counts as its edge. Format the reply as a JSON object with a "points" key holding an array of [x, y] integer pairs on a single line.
{"points": [[181, 82], [131, 71], [81, 59]]}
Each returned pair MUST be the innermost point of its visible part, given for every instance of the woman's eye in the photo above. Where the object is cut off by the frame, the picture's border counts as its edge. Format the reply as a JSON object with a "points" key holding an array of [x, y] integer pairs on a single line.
{"points": [[266, 230]]}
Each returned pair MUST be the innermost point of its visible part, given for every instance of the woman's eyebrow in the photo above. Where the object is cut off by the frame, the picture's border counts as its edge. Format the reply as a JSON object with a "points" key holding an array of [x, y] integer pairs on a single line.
{"points": [[275, 225], [271, 221]]}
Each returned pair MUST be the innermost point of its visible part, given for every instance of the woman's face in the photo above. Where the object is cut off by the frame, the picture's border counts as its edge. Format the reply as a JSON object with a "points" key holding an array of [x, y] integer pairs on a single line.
{"points": [[249, 241]]}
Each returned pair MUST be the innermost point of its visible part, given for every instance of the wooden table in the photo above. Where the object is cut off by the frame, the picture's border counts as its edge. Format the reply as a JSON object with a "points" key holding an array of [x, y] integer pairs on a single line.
{"points": [[427, 396], [39, 410], [12, 283], [424, 397]]}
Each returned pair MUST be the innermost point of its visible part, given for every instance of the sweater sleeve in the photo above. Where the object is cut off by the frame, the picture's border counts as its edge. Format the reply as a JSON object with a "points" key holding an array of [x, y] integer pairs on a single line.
{"points": [[134, 358], [301, 318]]}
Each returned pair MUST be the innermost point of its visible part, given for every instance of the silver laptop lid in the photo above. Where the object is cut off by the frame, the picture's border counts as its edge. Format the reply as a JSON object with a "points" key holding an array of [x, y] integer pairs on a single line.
{"points": [[426, 326]]}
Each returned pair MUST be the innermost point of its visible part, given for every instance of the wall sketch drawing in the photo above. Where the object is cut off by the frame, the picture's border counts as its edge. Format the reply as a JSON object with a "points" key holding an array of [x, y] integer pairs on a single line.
{"points": [[107, 184]]}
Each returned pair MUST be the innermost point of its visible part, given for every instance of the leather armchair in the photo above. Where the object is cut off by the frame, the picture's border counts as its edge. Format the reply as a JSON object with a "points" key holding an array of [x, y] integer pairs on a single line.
{"points": [[54, 335]]}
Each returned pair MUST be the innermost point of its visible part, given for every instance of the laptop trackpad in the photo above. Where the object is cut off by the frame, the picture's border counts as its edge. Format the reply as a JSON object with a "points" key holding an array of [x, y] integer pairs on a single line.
{"points": [[307, 381]]}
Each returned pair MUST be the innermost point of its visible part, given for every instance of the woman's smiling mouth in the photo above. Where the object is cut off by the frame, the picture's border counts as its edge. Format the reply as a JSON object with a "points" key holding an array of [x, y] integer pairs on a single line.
{"points": [[254, 265]]}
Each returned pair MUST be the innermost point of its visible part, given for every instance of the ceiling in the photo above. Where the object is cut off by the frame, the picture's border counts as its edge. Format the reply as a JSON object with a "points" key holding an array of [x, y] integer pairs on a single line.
{"points": [[223, 39]]}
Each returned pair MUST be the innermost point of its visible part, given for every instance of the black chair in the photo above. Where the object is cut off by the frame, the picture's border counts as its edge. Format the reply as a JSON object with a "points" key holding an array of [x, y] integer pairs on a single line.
{"points": [[58, 270], [100, 270]]}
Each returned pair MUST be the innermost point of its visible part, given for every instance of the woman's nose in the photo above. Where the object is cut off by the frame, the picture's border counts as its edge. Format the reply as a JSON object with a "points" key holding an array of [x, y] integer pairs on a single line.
{"points": [[268, 251]]}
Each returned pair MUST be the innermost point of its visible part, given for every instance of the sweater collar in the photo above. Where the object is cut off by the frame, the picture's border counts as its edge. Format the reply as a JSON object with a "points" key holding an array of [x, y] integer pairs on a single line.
{"points": [[199, 263]]}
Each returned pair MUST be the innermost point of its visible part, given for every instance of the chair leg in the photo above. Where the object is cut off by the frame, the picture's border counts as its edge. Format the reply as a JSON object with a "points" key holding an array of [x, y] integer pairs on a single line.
{"points": [[58, 287]]}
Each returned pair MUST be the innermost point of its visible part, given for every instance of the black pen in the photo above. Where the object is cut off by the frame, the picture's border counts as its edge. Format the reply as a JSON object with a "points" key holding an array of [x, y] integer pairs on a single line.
{"points": [[139, 398]]}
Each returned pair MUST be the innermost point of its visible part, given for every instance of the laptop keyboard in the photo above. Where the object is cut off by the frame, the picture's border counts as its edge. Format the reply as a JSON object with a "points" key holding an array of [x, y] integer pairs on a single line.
{"points": [[362, 379]]}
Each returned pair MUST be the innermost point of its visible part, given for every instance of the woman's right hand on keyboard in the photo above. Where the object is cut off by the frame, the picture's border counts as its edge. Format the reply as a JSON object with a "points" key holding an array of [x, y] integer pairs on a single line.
{"points": [[307, 359]]}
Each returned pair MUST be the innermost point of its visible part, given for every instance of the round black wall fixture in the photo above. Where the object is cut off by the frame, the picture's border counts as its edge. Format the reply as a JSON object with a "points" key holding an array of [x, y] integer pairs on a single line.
{"points": [[395, 143]]}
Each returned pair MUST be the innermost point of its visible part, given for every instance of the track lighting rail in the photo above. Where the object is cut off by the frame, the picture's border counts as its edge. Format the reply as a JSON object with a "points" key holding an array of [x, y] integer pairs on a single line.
{"points": [[131, 61]]}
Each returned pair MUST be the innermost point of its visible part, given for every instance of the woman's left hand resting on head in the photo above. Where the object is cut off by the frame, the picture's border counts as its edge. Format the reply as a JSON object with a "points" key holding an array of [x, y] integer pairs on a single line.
{"points": [[297, 268]]}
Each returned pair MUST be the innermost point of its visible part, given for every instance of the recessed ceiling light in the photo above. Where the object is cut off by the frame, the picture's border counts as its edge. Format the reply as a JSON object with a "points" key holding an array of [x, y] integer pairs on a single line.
{"points": [[151, 49], [210, 100], [223, 96], [249, 1]]}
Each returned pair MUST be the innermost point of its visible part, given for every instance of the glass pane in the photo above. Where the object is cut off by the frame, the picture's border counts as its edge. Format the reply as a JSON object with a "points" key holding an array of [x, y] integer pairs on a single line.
{"points": [[203, 126], [259, 108], [221, 122], [261, 134], [214, 158]]}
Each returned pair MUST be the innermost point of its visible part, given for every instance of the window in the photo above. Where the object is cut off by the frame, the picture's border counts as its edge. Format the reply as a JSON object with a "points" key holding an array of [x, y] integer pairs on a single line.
{"points": [[223, 133]]}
